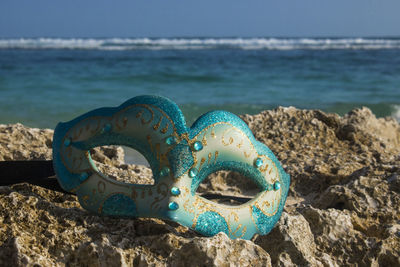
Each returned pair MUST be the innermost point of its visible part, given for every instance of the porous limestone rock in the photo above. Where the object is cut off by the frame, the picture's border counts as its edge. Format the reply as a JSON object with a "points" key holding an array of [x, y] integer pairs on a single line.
{"points": [[342, 209], [219, 251], [18, 142], [291, 242]]}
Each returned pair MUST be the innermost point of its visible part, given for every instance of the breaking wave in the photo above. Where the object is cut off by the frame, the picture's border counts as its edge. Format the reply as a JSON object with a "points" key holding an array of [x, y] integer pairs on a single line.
{"points": [[396, 112], [201, 43]]}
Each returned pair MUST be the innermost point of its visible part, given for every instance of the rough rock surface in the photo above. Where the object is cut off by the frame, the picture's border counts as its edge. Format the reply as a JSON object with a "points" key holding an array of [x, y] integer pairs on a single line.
{"points": [[343, 205]]}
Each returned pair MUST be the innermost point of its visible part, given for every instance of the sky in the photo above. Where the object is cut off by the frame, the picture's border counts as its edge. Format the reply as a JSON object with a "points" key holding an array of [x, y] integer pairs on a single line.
{"points": [[199, 18]]}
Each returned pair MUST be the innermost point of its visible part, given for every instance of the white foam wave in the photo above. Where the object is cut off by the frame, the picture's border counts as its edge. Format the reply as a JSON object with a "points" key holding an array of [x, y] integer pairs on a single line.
{"points": [[396, 112], [201, 43]]}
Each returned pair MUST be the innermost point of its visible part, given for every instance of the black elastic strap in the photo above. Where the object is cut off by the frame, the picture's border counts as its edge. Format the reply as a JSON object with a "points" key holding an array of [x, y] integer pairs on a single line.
{"points": [[36, 172], [224, 197]]}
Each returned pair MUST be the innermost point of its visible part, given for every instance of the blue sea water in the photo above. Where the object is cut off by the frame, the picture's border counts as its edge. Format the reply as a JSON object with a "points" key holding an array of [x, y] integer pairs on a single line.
{"points": [[46, 80]]}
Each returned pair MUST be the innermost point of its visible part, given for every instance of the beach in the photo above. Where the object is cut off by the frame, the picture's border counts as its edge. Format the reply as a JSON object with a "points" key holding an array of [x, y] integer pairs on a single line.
{"points": [[342, 207]]}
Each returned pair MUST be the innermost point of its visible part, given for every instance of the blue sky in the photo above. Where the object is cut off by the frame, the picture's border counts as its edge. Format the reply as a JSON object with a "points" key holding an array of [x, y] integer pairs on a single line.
{"points": [[172, 18]]}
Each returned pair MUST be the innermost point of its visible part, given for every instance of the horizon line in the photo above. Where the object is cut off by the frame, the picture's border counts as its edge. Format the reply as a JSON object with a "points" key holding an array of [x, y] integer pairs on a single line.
{"points": [[204, 37]]}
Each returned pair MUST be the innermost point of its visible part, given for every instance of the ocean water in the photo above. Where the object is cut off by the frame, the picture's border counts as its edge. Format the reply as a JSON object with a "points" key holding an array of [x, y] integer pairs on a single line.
{"points": [[47, 80]]}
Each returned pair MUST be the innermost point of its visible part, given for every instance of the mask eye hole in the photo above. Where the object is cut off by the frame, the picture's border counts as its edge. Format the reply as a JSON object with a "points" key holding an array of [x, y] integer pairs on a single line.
{"points": [[228, 187], [123, 164]]}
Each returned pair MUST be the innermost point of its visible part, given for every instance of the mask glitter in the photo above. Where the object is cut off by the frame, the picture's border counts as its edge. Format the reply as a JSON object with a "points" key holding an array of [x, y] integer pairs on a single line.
{"points": [[180, 158]]}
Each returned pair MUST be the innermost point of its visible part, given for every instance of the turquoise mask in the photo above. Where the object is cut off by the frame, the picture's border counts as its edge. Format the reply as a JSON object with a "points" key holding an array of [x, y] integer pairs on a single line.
{"points": [[180, 159]]}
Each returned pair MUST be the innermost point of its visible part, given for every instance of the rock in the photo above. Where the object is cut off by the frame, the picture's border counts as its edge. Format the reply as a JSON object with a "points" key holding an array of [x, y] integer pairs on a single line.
{"points": [[18, 142], [291, 242], [219, 251], [338, 233], [108, 155], [342, 208]]}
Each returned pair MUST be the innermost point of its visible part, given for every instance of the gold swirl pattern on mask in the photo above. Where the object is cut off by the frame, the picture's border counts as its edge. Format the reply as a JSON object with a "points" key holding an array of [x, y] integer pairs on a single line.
{"points": [[201, 206], [78, 161], [89, 127]]}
